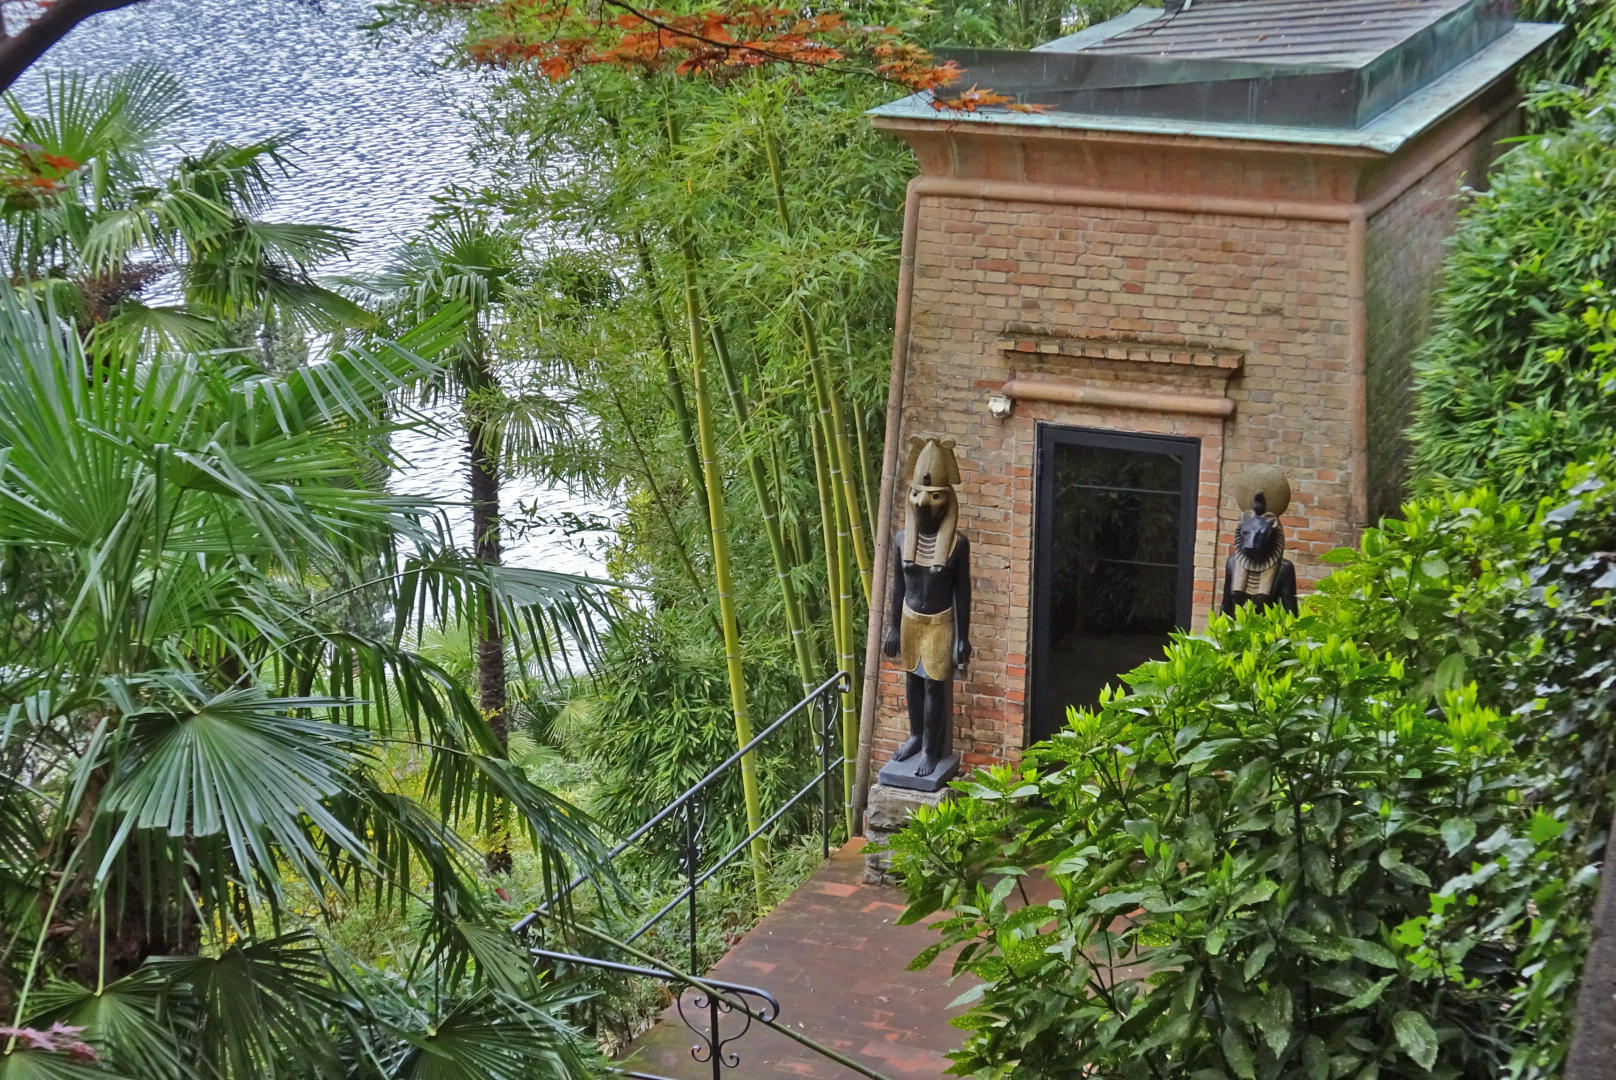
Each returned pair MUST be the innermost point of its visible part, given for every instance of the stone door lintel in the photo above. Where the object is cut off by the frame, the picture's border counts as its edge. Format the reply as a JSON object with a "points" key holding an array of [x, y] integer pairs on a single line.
{"points": [[1159, 357]]}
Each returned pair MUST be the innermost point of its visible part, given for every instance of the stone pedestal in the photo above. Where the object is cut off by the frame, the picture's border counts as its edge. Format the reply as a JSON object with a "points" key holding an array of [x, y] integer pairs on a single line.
{"points": [[901, 774], [886, 812]]}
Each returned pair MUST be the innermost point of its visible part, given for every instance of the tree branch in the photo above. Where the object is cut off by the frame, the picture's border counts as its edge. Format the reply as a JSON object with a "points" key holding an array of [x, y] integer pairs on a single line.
{"points": [[28, 44]]}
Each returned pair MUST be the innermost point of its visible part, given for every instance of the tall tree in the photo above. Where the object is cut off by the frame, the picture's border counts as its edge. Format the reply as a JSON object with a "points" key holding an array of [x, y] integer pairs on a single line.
{"points": [[466, 258]]}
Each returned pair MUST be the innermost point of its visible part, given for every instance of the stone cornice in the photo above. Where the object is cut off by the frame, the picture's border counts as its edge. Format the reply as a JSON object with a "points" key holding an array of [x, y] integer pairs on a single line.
{"points": [[1127, 350]]}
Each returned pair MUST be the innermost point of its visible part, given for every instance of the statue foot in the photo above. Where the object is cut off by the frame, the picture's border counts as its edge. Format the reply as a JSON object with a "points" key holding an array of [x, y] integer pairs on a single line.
{"points": [[910, 747], [927, 766]]}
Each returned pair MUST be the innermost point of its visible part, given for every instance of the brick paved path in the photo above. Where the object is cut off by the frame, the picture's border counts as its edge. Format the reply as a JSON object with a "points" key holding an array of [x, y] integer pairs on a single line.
{"points": [[831, 954]]}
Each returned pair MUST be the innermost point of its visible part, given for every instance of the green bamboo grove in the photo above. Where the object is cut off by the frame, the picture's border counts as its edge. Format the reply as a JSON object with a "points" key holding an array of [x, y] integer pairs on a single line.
{"points": [[759, 217]]}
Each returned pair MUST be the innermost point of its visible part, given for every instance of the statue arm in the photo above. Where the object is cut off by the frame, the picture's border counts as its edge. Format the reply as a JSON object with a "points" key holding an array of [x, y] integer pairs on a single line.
{"points": [[962, 601], [889, 640], [1228, 587]]}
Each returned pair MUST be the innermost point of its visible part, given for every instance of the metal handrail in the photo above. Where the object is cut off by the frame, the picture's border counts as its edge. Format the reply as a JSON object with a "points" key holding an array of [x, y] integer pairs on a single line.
{"points": [[712, 998], [826, 695]]}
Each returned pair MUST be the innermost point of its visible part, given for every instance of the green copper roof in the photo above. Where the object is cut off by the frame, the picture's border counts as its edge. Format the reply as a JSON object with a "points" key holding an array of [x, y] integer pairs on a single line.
{"points": [[1369, 73]]}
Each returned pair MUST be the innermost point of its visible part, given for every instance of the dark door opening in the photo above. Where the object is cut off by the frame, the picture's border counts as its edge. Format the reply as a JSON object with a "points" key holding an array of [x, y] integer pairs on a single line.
{"points": [[1113, 560]]}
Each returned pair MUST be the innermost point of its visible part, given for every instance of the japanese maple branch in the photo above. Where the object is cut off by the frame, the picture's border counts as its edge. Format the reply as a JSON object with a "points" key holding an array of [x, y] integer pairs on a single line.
{"points": [[735, 46]]}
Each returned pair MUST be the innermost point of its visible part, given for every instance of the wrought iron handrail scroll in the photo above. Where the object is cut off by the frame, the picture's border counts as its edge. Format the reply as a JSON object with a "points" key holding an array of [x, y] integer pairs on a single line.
{"points": [[823, 704]]}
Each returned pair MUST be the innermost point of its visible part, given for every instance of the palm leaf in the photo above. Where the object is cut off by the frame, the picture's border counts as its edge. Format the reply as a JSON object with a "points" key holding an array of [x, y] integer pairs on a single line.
{"points": [[114, 118], [127, 1020], [259, 1009], [38, 1065], [134, 327], [489, 1036], [237, 765]]}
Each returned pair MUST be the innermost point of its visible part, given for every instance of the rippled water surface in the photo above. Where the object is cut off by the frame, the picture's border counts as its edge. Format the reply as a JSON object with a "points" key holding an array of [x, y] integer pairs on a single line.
{"points": [[379, 132]]}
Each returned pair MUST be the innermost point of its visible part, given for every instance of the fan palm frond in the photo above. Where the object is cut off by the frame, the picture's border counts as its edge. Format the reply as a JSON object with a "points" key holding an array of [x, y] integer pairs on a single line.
{"points": [[127, 1021], [116, 119], [259, 1009], [207, 610], [241, 766], [490, 1036]]}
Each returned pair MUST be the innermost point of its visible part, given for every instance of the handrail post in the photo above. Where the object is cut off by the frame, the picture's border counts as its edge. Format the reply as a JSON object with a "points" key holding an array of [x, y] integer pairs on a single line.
{"points": [[825, 708], [692, 857]]}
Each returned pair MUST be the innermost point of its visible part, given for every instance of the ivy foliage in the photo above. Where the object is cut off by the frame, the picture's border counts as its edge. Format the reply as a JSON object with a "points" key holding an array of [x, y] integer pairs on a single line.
{"points": [[1353, 843]]}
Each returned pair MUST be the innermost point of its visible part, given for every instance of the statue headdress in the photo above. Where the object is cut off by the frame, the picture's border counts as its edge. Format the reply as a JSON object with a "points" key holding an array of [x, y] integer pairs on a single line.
{"points": [[930, 464], [1262, 492], [1266, 481]]}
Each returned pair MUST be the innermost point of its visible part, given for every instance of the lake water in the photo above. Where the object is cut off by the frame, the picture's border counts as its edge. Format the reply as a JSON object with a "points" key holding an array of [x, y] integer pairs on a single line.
{"points": [[379, 131]]}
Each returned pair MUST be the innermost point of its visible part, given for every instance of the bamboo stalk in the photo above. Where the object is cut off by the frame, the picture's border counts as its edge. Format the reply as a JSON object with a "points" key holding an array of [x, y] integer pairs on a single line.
{"points": [[859, 435], [721, 574], [849, 664], [661, 503], [841, 453], [827, 528], [801, 537], [796, 619], [670, 373], [841, 447], [838, 574]]}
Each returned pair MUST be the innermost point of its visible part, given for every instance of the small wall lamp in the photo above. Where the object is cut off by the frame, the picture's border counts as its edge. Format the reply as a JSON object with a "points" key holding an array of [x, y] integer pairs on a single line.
{"points": [[1000, 405]]}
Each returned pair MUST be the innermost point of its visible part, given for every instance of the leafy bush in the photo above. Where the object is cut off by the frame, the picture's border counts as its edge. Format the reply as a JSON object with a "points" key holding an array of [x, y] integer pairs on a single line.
{"points": [[1235, 847], [1361, 842], [1520, 605], [1583, 52], [1519, 380]]}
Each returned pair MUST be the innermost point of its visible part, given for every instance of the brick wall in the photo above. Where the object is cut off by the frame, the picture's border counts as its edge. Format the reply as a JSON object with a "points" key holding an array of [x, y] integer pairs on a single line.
{"points": [[1271, 292], [1404, 246]]}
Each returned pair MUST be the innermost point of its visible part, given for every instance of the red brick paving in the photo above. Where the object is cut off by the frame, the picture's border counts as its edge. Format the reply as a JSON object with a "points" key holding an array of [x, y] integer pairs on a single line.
{"points": [[839, 966]]}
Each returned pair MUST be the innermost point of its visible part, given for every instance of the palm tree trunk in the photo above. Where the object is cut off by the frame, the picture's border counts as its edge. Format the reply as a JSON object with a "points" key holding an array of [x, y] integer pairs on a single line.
{"points": [[486, 545], [721, 574], [483, 456]]}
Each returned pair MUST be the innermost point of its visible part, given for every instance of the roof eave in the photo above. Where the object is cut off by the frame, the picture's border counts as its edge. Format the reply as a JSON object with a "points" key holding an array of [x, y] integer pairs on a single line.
{"points": [[1385, 134]]}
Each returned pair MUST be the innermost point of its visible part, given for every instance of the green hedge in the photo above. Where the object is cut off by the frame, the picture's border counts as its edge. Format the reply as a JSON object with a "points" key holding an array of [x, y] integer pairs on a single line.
{"points": [[1519, 380]]}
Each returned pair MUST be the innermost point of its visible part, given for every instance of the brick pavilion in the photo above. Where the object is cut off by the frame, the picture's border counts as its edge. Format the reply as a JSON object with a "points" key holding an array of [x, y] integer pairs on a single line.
{"points": [[1217, 249]]}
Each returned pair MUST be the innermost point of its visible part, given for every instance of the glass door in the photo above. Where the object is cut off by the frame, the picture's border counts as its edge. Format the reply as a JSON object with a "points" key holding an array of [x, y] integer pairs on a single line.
{"points": [[1113, 560]]}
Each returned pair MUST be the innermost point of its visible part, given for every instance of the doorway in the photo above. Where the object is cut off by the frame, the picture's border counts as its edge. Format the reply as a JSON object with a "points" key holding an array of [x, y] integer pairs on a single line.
{"points": [[1113, 560]]}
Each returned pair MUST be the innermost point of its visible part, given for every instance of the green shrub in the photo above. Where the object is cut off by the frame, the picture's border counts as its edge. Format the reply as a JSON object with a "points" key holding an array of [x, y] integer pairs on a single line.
{"points": [[1519, 379], [1519, 605], [1583, 52], [1341, 845], [1235, 846]]}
